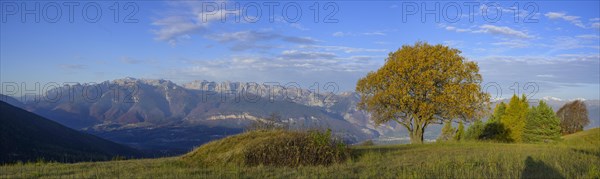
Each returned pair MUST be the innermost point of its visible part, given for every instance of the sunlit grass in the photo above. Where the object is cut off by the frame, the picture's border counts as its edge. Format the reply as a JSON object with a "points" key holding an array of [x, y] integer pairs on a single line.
{"points": [[577, 156]]}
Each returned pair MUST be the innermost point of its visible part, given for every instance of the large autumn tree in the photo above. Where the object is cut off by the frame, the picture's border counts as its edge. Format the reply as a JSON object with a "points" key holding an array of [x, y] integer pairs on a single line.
{"points": [[423, 84]]}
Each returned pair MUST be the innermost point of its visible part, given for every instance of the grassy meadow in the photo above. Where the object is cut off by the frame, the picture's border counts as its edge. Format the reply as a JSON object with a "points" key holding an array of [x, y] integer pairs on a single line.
{"points": [[575, 156]]}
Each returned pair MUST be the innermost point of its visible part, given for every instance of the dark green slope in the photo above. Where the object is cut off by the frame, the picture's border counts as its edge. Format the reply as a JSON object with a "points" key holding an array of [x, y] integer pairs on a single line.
{"points": [[25, 136]]}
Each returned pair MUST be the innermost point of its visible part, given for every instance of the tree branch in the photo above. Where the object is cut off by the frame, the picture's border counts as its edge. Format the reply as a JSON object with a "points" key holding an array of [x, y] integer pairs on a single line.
{"points": [[404, 124]]}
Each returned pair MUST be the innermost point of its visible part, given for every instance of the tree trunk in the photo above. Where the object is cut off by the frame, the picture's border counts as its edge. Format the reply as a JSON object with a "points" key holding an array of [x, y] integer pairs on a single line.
{"points": [[416, 135]]}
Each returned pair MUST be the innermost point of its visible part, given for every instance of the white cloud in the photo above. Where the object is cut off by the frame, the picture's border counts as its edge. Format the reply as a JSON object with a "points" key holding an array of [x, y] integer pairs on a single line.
{"points": [[245, 40], [563, 68], [375, 33], [288, 66], [244, 36], [575, 20], [588, 36], [538, 60], [580, 57], [513, 43], [454, 43], [566, 43], [490, 29], [173, 29], [184, 19], [452, 28], [296, 54], [299, 26], [299, 40], [502, 30], [341, 34], [545, 76], [342, 48], [288, 60], [596, 25], [306, 63]]}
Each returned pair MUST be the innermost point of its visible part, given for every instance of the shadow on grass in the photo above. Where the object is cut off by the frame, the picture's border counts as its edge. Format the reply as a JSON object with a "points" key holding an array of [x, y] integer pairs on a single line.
{"points": [[538, 169]]}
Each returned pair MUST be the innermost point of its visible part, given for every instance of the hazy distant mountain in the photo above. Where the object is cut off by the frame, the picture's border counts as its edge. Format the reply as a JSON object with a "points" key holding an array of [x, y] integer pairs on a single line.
{"points": [[343, 105], [121, 108], [28, 137]]}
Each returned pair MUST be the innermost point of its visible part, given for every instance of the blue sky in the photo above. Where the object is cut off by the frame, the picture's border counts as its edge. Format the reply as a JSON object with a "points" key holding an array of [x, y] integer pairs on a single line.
{"points": [[551, 49]]}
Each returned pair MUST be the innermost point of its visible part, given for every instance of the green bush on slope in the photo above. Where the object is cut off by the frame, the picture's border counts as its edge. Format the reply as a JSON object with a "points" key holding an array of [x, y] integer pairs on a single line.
{"points": [[271, 147]]}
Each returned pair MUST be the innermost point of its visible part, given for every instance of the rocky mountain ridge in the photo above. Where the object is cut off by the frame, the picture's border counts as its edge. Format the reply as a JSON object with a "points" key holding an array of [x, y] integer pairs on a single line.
{"points": [[137, 104]]}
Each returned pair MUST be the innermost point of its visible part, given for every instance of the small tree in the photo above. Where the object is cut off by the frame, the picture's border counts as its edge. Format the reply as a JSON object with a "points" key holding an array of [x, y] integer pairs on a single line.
{"points": [[460, 132], [542, 124], [474, 131], [515, 117], [499, 112], [573, 117], [447, 132]]}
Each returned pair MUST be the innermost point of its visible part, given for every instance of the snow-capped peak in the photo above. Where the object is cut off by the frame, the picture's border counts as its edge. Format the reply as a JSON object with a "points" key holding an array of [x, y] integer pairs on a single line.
{"points": [[550, 98], [497, 99], [580, 99]]}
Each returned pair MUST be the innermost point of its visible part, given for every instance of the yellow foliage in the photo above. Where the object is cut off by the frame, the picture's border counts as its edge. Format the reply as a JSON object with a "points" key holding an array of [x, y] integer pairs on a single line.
{"points": [[423, 84]]}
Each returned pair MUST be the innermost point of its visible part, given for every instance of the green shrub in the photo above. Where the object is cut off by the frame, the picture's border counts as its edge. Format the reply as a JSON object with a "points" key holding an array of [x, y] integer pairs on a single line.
{"points": [[272, 147], [474, 131], [301, 148], [496, 131]]}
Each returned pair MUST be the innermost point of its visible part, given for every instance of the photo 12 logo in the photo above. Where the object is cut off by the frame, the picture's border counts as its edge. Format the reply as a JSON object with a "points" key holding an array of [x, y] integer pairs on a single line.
{"points": [[528, 89], [72, 12], [252, 12], [129, 92], [125, 12], [452, 12]]}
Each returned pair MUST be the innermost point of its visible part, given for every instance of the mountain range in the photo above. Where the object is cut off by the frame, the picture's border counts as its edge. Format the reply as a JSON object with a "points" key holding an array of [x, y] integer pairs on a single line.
{"points": [[164, 118], [161, 116]]}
